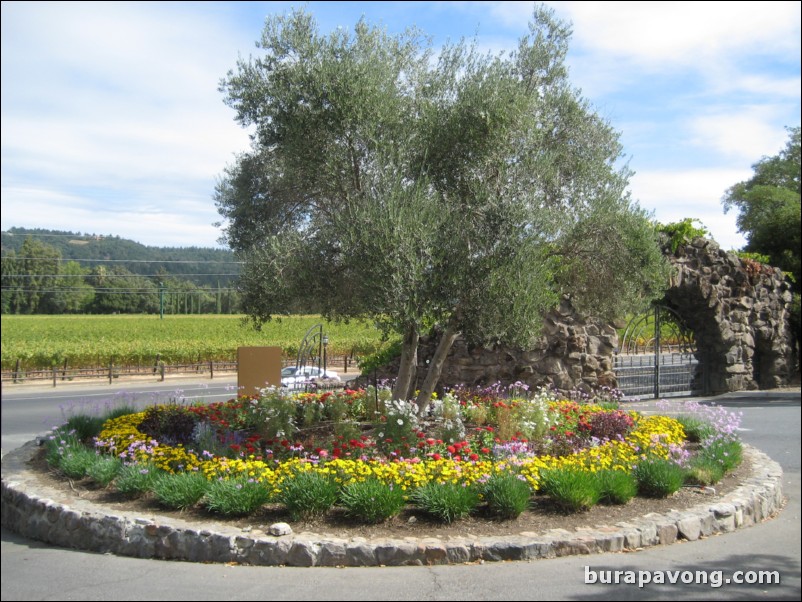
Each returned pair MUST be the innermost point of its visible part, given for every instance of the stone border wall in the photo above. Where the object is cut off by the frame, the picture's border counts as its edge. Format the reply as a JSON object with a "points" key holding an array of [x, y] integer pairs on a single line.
{"points": [[33, 510]]}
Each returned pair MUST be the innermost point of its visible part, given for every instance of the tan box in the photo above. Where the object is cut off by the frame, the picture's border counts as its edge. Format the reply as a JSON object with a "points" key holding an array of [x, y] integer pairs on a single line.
{"points": [[257, 368]]}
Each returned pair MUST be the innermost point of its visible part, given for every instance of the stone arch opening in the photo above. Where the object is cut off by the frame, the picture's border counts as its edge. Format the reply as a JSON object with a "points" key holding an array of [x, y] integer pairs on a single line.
{"points": [[738, 311]]}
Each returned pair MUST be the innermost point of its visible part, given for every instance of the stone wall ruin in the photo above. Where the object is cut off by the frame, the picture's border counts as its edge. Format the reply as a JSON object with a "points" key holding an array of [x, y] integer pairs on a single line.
{"points": [[738, 310]]}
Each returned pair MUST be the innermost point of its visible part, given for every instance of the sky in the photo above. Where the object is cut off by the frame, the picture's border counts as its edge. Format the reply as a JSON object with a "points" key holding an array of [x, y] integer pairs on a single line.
{"points": [[112, 121]]}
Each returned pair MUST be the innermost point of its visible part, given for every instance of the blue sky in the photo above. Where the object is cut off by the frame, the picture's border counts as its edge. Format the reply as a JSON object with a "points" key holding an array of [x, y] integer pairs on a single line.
{"points": [[112, 122]]}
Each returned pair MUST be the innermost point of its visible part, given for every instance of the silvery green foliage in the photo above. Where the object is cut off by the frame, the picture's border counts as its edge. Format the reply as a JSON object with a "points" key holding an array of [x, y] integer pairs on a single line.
{"points": [[452, 189]]}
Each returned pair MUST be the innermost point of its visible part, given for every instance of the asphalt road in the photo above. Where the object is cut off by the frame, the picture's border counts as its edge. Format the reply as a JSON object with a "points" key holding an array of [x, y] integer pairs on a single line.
{"points": [[771, 422]]}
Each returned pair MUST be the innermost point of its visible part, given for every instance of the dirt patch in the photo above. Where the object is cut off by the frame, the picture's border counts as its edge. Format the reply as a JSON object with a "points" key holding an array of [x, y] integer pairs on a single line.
{"points": [[542, 515]]}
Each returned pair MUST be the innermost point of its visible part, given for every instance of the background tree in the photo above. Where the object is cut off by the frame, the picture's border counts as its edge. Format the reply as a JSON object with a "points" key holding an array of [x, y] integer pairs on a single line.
{"points": [[118, 291], [468, 192], [768, 206], [30, 277]]}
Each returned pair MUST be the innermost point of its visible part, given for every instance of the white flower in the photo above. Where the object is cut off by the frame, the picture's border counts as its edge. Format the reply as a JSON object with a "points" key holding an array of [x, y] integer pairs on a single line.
{"points": [[400, 422]]}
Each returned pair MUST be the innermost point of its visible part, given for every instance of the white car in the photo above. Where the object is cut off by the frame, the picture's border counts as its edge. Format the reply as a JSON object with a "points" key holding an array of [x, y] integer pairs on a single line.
{"points": [[298, 378]]}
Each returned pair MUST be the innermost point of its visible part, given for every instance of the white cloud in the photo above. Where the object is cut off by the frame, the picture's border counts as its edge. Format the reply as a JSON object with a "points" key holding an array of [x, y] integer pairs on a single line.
{"points": [[684, 33], [674, 195], [745, 135]]}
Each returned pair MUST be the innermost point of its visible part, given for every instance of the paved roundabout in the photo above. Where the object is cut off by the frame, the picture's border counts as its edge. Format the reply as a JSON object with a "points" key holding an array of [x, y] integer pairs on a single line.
{"points": [[34, 509]]}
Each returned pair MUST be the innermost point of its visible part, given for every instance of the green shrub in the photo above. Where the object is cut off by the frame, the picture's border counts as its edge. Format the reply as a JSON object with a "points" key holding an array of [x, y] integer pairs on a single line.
{"points": [[86, 427], [727, 452], [121, 410], [57, 444], [704, 472], [104, 470], [659, 478], [372, 501], [696, 429], [75, 462], [308, 495], [446, 501], [616, 486], [236, 497], [372, 362], [179, 491], [573, 490], [715, 460], [136, 479], [507, 496]]}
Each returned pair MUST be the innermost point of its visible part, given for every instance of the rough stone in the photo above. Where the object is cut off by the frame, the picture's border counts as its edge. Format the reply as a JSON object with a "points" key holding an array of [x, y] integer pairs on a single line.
{"points": [[279, 529]]}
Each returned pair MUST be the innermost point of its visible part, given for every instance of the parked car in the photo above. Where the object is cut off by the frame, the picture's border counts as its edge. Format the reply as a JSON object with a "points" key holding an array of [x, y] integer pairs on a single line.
{"points": [[301, 377]]}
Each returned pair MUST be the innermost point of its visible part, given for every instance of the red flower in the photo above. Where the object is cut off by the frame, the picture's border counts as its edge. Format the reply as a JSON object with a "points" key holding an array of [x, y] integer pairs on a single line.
{"points": [[473, 457], [485, 450], [436, 456], [452, 449]]}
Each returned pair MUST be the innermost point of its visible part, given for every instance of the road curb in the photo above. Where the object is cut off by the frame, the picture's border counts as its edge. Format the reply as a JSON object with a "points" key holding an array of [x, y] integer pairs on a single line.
{"points": [[35, 510]]}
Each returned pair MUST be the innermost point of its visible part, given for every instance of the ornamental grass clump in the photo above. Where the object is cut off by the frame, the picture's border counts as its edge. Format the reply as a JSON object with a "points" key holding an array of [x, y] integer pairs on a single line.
{"points": [[696, 429], [84, 426], [659, 478], [372, 501], [104, 470], [507, 495], [446, 502], [136, 479], [235, 497], [714, 461], [179, 491], [573, 490], [58, 443], [75, 462], [308, 495], [616, 486]]}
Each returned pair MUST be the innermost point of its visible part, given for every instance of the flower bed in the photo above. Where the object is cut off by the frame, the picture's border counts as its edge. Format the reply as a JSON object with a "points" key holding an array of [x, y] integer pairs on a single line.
{"points": [[352, 448]]}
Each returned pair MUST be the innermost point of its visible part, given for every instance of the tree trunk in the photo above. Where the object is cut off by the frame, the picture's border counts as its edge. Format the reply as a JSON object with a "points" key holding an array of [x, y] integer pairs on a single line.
{"points": [[409, 362], [436, 366]]}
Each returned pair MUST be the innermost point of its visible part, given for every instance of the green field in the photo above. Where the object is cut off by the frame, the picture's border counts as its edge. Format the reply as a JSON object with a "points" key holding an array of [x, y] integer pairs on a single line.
{"points": [[88, 341]]}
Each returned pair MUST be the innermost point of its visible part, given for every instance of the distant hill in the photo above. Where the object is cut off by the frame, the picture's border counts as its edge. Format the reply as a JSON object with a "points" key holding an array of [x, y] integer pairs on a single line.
{"points": [[204, 267]]}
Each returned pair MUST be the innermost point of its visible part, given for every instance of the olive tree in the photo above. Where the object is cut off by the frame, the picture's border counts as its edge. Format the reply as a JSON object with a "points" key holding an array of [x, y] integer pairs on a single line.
{"points": [[464, 191]]}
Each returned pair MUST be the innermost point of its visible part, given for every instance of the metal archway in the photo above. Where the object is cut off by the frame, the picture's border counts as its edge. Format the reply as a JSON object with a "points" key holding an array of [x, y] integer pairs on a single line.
{"points": [[311, 346], [658, 356]]}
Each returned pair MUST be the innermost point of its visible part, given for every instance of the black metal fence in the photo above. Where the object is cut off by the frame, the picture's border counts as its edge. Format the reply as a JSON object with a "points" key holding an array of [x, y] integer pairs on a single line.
{"points": [[674, 375]]}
